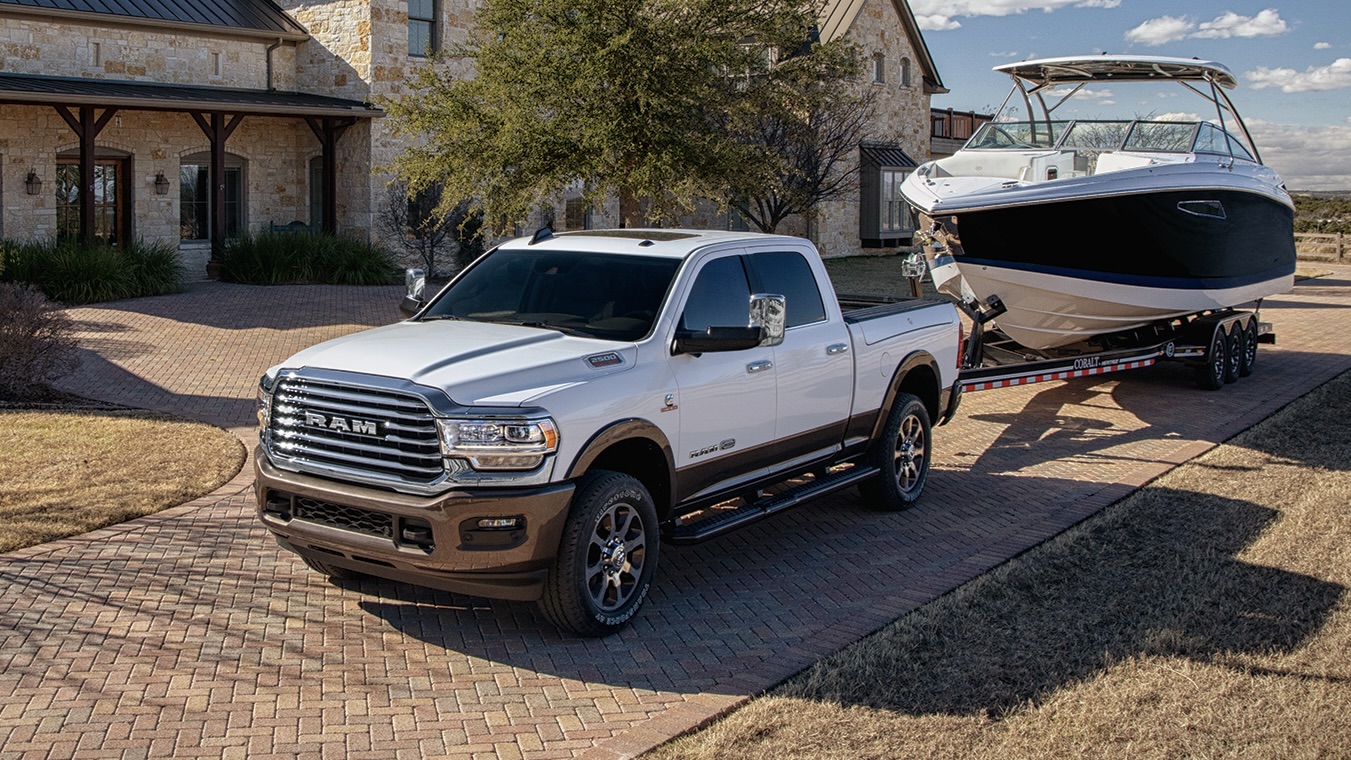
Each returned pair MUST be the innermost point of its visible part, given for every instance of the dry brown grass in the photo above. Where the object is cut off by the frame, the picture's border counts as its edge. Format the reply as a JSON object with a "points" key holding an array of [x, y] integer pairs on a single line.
{"points": [[67, 472], [1206, 615]]}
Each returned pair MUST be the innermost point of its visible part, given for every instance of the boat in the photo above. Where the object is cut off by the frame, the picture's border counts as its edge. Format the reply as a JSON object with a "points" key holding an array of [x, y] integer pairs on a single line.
{"points": [[1078, 228]]}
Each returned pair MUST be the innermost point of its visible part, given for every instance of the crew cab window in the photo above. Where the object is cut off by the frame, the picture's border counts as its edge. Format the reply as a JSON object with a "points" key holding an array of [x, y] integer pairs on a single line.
{"points": [[720, 297], [788, 274], [595, 295]]}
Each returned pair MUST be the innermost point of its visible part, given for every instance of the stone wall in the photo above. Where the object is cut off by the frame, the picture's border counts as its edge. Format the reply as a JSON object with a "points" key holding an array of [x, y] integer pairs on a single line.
{"points": [[30, 46]]}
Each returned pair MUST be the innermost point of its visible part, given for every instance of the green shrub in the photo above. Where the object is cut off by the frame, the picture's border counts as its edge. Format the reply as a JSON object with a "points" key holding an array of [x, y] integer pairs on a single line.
{"points": [[78, 273], [280, 258], [154, 268]]}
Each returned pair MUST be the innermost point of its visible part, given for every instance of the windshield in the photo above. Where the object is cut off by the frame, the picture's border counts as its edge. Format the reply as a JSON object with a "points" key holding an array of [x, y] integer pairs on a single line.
{"points": [[1135, 135], [593, 295]]}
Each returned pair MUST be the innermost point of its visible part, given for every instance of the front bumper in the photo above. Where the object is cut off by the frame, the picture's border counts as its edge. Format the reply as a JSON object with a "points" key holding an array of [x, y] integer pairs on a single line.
{"points": [[427, 541]]}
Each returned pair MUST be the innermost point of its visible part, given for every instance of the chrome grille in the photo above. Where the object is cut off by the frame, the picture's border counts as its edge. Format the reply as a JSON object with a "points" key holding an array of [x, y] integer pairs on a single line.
{"points": [[373, 434]]}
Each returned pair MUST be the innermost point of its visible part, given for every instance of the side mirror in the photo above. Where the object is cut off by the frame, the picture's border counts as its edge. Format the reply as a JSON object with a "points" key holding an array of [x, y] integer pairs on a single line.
{"points": [[415, 291], [717, 339], [769, 313]]}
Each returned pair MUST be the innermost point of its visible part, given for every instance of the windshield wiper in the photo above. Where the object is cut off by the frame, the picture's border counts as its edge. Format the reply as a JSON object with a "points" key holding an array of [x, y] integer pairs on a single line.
{"points": [[431, 317]]}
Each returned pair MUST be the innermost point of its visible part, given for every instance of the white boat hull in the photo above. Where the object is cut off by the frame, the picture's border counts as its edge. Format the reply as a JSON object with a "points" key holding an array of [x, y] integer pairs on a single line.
{"points": [[1047, 310]]}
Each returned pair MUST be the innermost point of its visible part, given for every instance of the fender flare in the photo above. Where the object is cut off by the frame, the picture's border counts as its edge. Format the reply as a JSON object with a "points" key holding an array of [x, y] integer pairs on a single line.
{"points": [[615, 432], [910, 362]]}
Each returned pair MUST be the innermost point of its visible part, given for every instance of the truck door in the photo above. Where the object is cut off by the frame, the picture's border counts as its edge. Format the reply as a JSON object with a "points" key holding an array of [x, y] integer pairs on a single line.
{"points": [[813, 365], [726, 399]]}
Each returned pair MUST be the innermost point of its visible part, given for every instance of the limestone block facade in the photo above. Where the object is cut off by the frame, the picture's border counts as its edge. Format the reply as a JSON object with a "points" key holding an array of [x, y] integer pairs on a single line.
{"points": [[354, 50]]}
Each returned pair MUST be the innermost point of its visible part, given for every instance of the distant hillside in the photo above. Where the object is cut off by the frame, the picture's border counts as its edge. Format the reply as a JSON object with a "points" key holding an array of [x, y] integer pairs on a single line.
{"points": [[1323, 212]]}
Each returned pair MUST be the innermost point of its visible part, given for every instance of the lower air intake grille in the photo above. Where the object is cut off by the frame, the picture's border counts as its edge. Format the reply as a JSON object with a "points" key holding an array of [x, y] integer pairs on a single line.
{"points": [[347, 518]]}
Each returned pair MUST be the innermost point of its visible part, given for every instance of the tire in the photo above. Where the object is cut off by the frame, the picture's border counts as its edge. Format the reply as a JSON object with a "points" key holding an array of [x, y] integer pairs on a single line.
{"points": [[901, 455], [1248, 349], [607, 557], [332, 571], [1210, 375], [1233, 353]]}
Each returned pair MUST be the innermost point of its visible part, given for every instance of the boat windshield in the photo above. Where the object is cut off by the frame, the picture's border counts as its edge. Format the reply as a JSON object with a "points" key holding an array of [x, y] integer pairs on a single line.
{"points": [[1135, 135]]}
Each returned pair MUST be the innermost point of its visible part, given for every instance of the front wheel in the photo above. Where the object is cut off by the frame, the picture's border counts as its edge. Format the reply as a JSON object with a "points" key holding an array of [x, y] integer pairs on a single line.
{"points": [[607, 557], [901, 455]]}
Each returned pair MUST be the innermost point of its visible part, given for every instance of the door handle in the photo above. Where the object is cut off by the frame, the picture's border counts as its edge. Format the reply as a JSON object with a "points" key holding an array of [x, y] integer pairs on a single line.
{"points": [[837, 348], [759, 366]]}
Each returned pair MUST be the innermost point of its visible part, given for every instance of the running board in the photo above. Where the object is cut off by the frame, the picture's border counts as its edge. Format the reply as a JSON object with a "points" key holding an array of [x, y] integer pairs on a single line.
{"points": [[759, 509]]}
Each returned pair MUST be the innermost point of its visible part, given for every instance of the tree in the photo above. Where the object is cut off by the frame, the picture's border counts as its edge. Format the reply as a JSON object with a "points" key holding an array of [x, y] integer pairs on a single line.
{"points": [[811, 122], [633, 98], [413, 220]]}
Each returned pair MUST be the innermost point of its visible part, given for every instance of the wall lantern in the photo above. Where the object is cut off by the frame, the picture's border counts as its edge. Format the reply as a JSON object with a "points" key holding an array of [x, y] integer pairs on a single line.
{"points": [[161, 184], [33, 184]]}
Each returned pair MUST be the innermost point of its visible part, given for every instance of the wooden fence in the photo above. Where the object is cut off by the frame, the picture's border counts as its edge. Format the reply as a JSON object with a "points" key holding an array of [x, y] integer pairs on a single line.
{"points": [[1318, 246]]}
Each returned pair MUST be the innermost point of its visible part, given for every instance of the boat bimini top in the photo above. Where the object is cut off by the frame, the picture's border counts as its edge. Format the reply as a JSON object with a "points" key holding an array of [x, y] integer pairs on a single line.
{"points": [[1039, 77]]}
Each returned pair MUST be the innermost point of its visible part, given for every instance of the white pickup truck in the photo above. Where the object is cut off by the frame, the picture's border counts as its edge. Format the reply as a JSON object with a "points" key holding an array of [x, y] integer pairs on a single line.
{"points": [[569, 401]]}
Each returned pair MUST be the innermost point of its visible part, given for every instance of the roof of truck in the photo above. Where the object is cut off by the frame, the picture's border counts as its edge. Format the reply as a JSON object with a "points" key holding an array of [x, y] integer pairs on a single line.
{"points": [[667, 243]]}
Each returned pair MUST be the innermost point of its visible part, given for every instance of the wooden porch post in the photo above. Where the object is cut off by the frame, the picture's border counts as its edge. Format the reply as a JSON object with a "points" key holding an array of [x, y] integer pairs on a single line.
{"points": [[87, 128], [217, 131], [329, 131]]}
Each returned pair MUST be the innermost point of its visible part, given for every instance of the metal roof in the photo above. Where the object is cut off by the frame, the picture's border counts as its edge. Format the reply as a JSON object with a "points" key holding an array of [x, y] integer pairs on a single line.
{"points": [[248, 17], [885, 154], [1119, 68], [31, 89]]}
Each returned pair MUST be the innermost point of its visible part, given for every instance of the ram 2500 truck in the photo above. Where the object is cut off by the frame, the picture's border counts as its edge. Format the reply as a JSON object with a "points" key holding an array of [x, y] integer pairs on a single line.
{"points": [[569, 401]]}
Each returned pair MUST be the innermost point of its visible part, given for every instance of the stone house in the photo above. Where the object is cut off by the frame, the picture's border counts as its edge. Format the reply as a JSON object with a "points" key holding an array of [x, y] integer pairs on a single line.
{"points": [[194, 120]]}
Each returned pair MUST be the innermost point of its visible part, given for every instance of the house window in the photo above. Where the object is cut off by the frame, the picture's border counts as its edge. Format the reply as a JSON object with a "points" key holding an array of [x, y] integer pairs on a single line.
{"points": [[576, 214], [884, 218], [879, 68], [194, 195], [112, 223], [895, 217], [421, 27], [905, 72]]}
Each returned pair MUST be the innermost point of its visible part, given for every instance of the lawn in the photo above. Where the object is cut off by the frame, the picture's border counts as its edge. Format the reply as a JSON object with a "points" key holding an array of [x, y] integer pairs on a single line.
{"points": [[1204, 616], [70, 471]]}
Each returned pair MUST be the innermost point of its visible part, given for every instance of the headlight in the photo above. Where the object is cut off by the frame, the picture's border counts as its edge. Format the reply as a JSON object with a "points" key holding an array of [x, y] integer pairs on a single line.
{"points": [[265, 385], [498, 444]]}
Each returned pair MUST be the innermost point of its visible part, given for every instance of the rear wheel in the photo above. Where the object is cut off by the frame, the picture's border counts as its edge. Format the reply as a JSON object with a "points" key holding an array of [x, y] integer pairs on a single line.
{"points": [[1248, 349], [1210, 375], [607, 557], [901, 455]]}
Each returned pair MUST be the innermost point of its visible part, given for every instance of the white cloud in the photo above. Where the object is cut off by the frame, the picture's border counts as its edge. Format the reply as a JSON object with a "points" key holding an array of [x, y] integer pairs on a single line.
{"points": [[1308, 158], [1160, 31], [937, 23], [1267, 23], [942, 15], [1322, 46], [1165, 29], [1334, 76]]}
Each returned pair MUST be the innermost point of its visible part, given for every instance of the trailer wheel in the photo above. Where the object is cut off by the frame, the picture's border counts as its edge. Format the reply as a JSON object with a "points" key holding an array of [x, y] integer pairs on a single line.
{"points": [[1210, 375], [1248, 349], [607, 557], [901, 455], [1233, 350]]}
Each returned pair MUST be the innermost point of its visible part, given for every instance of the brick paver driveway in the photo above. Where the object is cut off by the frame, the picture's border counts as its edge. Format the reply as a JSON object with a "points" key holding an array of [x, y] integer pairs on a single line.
{"points": [[189, 633]]}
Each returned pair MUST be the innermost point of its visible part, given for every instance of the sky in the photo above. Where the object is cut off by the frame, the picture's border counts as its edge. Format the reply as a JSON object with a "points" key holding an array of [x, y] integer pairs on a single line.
{"points": [[1292, 62]]}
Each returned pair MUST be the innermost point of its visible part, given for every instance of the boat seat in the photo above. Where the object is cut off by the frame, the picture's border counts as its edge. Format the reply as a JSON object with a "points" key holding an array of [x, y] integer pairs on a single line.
{"points": [[1115, 162], [1045, 167], [984, 164]]}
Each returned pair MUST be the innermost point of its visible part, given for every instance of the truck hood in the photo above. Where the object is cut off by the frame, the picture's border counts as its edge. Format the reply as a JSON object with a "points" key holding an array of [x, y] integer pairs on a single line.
{"points": [[475, 363]]}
